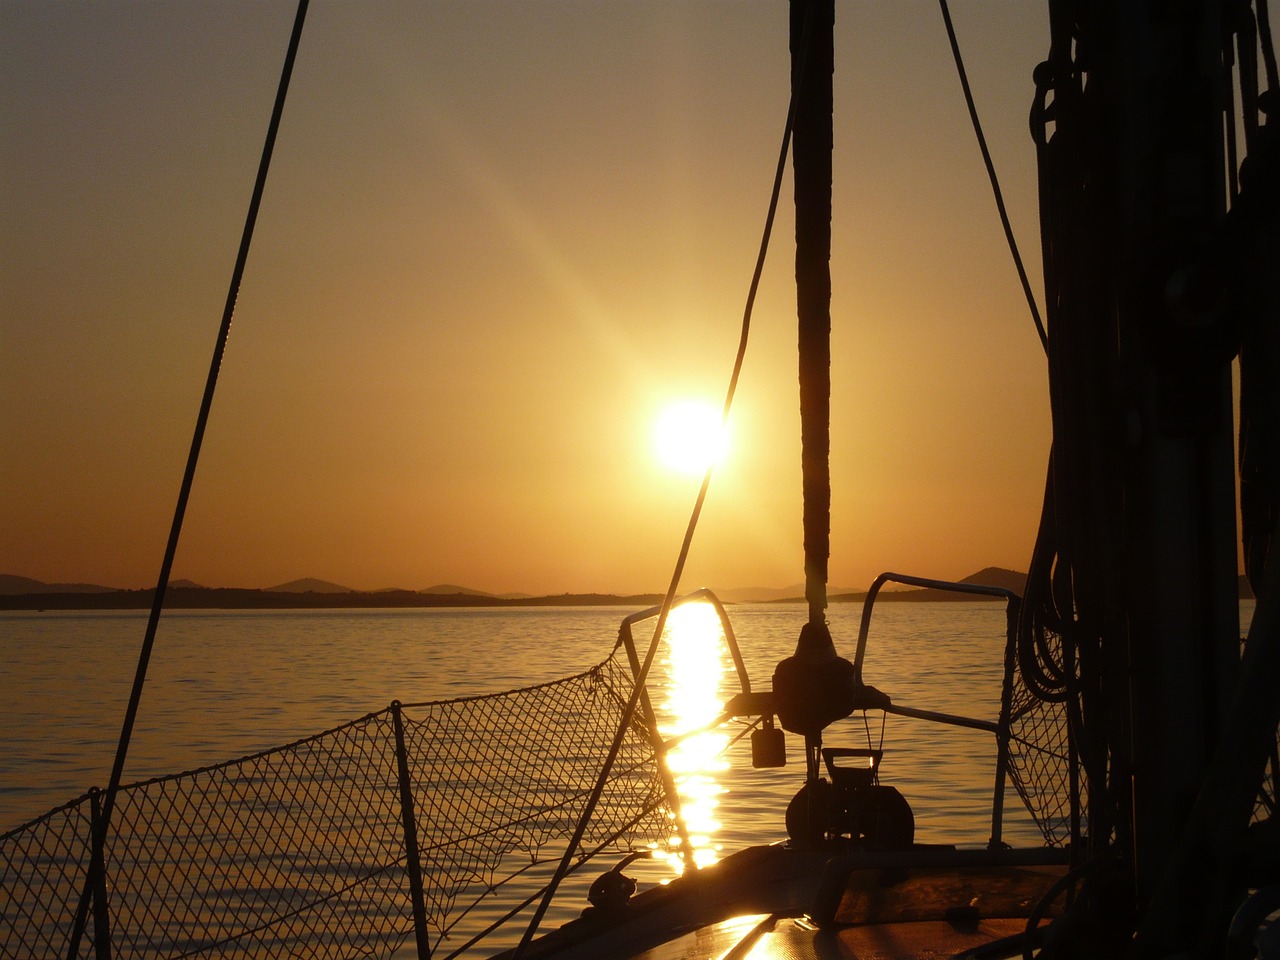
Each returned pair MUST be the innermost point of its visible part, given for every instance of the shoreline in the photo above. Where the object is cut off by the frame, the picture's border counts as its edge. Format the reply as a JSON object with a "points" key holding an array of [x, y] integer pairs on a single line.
{"points": [[233, 598]]}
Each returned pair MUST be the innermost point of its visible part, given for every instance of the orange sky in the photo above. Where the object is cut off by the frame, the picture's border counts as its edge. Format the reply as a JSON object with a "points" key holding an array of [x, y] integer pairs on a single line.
{"points": [[498, 237]]}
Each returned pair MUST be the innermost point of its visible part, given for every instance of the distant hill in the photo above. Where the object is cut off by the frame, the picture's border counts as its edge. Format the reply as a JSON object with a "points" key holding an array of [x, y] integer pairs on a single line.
{"points": [[309, 585], [26, 593], [11, 585], [998, 577], [986, 577], [756, 594], [452, 589], [770, 594]]}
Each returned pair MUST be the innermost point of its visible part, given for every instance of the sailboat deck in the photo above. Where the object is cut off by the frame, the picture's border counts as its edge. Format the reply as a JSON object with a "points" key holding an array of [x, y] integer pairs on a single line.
{"points": [[764, 937], [780, 902]]}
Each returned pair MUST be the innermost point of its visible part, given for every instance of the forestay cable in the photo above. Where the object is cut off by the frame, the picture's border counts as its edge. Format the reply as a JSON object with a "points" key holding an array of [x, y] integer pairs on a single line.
{"points": [[188, 478]]}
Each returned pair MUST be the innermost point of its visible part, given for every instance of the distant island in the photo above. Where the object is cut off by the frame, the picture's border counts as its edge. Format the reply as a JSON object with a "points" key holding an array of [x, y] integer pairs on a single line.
{"points": [[182, 595], [24, 593]]}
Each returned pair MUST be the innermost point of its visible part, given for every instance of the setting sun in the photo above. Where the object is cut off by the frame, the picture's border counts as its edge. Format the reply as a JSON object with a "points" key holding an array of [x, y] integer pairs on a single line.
{"points": [[690, 436]]}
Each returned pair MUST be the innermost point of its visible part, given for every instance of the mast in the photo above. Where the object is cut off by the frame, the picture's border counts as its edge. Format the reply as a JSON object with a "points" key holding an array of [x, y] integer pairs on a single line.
{"points": [[1133, 202], [1159, 79], [812, 68], [815, 686], [1179, 572]]}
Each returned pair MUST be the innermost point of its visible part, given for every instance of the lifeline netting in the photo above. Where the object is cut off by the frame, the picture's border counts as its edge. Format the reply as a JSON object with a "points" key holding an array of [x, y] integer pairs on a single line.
{"points": [[301, 851], [1040, 762]]}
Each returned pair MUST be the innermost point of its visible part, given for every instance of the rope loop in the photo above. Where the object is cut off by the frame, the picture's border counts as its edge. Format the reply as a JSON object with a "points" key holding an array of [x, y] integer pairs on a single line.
{"points": [[1047, 77]]}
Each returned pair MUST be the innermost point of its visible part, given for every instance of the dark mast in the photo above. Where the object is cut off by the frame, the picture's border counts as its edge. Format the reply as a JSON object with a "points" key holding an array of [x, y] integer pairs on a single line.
{"points": [[815, 686], [812, 66]]}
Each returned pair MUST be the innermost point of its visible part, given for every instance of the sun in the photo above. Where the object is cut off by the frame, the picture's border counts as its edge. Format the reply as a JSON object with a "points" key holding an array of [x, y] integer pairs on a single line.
{"points": [[689, 436]]}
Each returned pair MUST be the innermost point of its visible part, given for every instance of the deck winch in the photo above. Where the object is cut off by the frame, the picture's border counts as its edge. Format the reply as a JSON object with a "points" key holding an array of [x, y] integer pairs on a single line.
{"points": [[853, 804]]}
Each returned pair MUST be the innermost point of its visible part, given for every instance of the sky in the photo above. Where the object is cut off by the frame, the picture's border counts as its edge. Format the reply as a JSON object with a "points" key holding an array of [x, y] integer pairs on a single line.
{"points": [[497, 240]]}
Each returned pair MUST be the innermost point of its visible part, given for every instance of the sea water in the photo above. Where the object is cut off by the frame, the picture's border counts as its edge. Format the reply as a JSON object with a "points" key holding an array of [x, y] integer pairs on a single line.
{"points": [[225, 684]]}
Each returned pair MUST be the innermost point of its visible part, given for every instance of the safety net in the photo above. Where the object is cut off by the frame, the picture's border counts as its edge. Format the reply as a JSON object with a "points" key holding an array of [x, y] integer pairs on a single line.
{"points": [[1040, 762], [303, 851]]}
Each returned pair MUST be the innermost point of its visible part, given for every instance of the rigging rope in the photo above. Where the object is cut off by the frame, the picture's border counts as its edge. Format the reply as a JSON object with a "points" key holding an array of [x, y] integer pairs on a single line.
{"points": [[1259, 449], [188, 478], [1070, 598], [1045, 658], [1042, 657], [1058, 631], [991, 175], [686, 544], [1268, 49]]}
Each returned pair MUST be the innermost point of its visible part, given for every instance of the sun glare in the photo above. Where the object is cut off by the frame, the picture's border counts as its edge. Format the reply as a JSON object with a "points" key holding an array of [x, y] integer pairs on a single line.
{"points": [[690, 436]]}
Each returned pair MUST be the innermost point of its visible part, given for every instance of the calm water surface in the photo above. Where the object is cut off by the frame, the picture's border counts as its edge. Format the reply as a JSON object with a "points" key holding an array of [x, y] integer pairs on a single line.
{"points": [[225, 684]]}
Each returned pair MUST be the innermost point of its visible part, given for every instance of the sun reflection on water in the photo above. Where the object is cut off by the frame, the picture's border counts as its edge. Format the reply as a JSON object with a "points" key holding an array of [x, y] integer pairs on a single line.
{"points": [[695, 663]]}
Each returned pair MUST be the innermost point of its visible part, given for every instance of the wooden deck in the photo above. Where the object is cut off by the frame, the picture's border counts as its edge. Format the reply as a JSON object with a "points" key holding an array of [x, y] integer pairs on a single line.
{"points": [[776, 938], [778, 903]]}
